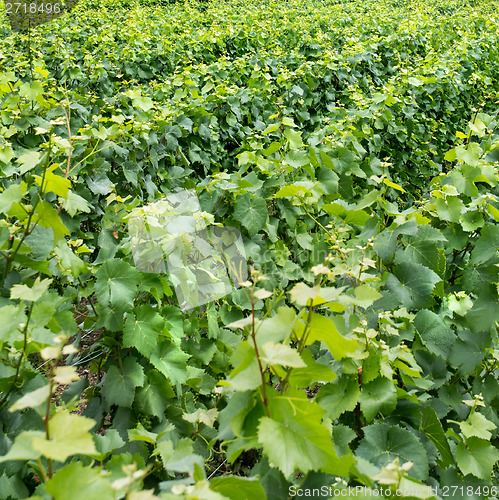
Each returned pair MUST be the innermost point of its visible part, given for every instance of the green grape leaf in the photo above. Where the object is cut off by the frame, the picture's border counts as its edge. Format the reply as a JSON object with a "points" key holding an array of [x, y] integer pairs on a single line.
{"points": [[100, 184], [312, 372], [385, 243], [41, 241], [107, 443], [449, 209], [116, 284], [32, 399], [383, 443], [298, 189], [69, 263], [433, 430], [49, 218], [301, 443], [280, 354], [485, 311], [350, 216], [14, 487], [365, 296], [251, 213], [460, 303], [246, 374], [434, 333], [294, 138], [13, 194], [422, 252], [472, 220], [11, 319], [142, 328], [324, 330], [477, 426], [470, 154], [54, 183], [238, 488], [302, 295], [342, 437], [344, 161], [412, 283], [23, 449], [207, 417], [6, 152], [31, 91], [24, 292], [339, 397], [468, 351], [187, 464], [83, 483], [68, 436], [171, 361], [142, 102], [378, 396], [153, 397], [368, 199], [276, 328], [118, 388], [394, 185], [487, 245], [142, 434], [169, 453], [477, 457], [28, 161], [74, 203]]}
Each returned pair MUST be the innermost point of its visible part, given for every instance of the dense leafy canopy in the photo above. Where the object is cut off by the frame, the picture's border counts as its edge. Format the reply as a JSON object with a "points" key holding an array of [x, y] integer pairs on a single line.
{"points": [[354, 146]]}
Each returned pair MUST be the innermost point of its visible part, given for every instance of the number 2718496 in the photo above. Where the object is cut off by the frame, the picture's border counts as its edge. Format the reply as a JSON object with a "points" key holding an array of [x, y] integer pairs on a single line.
{"points": [[32, 8], [486, 491]]}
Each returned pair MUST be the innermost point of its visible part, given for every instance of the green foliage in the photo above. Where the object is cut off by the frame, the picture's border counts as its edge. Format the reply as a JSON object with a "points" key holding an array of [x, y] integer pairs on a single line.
{"points": [[355, 148]]}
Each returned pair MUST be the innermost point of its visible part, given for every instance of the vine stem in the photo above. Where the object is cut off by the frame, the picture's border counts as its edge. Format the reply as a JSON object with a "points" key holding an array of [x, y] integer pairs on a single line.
{"points": [[46, 419], [27, 231], [265, 400], [277, 375], [120, 363], [42, 470], [333, 237], [89, 299], [306, 332], [89, 155], [319, 224], [21, 358], [70, 138], [301, 342], [30, 54]]}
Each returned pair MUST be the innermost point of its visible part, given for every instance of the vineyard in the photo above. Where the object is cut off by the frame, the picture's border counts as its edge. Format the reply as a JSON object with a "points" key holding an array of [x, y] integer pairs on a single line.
{"points": [[340, 161]]}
